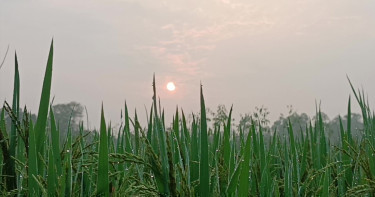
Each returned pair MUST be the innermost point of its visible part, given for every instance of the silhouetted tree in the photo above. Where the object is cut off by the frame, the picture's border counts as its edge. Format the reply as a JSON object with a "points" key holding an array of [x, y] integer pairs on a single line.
{"points": [[356, 126], [298, 121], [68, 114]]}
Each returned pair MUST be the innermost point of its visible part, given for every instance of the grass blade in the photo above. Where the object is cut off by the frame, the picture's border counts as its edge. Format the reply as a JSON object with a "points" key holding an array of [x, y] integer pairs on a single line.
{"points": [[11, 178], [40, 125], [245, 169], [51, 179], [204, 168], [103, 179], [33, 165]]}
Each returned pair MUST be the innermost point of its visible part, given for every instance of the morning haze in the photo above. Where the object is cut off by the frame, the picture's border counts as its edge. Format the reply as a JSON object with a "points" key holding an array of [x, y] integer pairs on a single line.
{"points": [[246, 53]]}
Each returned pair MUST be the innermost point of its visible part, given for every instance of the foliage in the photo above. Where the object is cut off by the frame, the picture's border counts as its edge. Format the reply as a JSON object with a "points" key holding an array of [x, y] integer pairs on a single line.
{"points": [[221, 116], [299, 122], [260, 116], [66, 113]]}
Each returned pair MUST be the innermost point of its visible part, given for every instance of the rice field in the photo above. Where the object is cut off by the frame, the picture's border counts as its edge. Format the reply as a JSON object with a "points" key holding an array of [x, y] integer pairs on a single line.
{"points": [[189, 159]]}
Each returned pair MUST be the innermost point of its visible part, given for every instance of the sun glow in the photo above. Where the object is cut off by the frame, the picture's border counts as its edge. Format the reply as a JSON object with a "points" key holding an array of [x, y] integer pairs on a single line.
{"points": [[170, 86]]}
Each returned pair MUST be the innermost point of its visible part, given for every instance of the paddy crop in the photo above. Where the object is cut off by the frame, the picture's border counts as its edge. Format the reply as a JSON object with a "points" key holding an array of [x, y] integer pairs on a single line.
{"points": [[188, 159]]}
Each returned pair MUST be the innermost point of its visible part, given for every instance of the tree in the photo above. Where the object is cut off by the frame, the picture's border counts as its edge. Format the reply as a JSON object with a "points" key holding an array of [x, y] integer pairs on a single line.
{"points": [[356, 126], [245, 122], [298, 121], [68, 113], [259, 116], [221, 116], [197, 115], [324, 117]]}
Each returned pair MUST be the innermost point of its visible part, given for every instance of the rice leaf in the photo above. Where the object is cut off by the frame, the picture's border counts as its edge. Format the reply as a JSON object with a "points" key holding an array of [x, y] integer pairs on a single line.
{"points": [[204, 174], [103, 179], [40, 125]]}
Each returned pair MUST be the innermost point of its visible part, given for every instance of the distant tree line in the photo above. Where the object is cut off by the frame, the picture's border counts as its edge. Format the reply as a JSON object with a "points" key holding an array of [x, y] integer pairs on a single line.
{"points": [[299, 121], [69, 116]]}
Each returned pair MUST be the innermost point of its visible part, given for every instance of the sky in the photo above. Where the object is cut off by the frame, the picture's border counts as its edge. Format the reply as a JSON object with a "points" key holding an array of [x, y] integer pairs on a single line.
{"points": [[246, 52]]}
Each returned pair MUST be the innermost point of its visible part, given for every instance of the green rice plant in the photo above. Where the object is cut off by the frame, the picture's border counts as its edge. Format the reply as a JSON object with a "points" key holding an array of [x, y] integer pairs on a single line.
{"points": [[244, 184], [52, 179], [103, 181], [40, 125], [161, 137], [32, 164], [11, 180], [204, 173]]}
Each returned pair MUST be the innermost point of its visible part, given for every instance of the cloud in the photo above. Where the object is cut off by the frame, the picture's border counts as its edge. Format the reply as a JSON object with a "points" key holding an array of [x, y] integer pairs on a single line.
{"points": [[195, 29], [189, 38]]}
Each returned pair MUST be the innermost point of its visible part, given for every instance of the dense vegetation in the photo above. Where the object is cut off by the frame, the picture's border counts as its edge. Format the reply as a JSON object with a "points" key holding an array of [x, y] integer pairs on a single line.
{"points": [[189, 159]]}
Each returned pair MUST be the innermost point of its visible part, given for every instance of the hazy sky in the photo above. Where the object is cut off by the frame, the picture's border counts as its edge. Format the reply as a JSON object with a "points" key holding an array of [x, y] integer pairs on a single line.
{"points": [[247, 53]]}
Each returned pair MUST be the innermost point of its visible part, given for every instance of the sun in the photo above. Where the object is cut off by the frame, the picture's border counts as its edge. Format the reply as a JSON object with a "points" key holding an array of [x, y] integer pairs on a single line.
{"points": [[170, 86]]}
